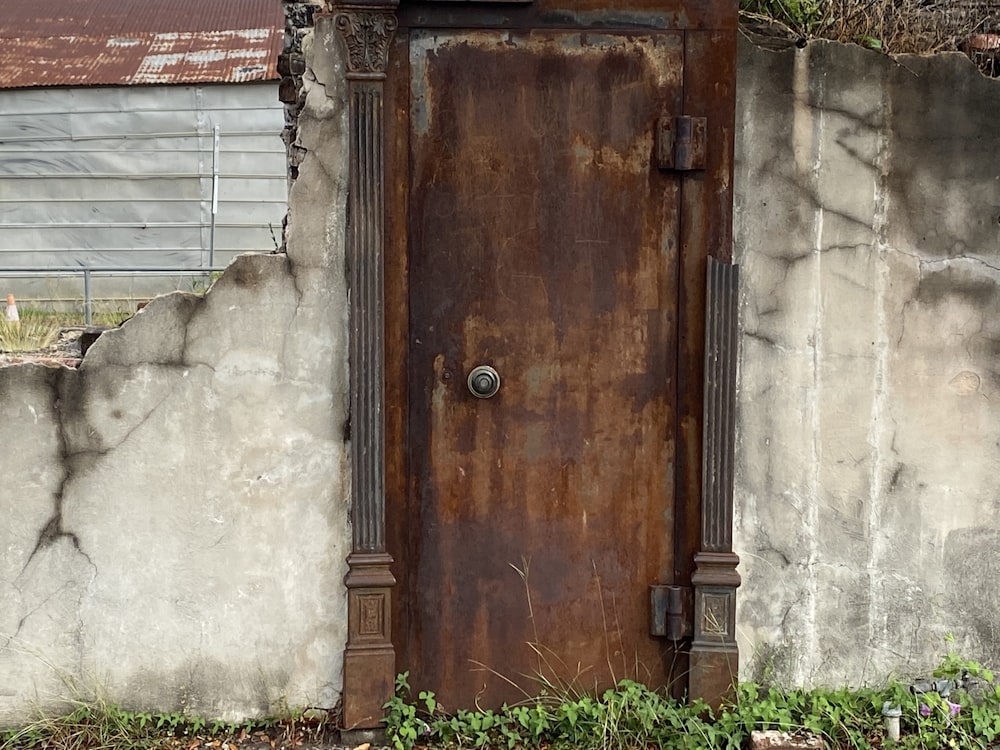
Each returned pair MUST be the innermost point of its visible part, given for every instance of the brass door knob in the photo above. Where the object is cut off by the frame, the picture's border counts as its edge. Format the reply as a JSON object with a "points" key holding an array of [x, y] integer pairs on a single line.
{"points": [[484, 381]]}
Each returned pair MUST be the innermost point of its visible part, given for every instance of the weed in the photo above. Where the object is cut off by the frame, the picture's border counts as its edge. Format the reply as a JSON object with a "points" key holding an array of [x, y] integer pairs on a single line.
{"points": [[95, 724], [38, 330], [98, 724], [112, 318], [890, 26], [956, 667], [27, 334], [633, 716], [201, 284]]}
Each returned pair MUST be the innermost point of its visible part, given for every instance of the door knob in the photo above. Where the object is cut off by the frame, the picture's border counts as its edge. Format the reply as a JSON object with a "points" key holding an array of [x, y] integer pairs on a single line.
{"points": [[484, 381]]}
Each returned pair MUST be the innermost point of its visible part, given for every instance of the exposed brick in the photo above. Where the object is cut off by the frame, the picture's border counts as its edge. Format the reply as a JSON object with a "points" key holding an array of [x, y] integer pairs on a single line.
{"points": [[287, 91], [291, 66], [296, 64]]}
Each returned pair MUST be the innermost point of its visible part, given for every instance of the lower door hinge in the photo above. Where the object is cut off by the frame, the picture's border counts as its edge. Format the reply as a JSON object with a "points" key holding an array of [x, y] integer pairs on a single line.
{"points": [[680, 143], [670, 611]]}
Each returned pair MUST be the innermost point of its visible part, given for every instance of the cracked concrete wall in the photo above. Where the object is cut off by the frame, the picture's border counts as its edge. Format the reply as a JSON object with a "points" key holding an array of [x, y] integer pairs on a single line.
{"points": [[868, 481], [177, 511]]}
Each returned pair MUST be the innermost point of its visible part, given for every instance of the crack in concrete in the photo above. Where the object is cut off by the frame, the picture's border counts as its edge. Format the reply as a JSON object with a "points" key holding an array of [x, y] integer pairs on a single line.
{"points": [[309, 80], [764, 339], [922, 261], [922, 265], [106, 450], [293, 271], [33, 610], [873, 120], [784, 558], [54, 530], [857, 156], [192, 311], [961, 256]]}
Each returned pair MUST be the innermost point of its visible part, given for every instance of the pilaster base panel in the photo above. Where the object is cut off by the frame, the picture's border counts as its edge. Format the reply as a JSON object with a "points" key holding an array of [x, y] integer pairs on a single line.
{"points": [[369, 681], [713, 674]]}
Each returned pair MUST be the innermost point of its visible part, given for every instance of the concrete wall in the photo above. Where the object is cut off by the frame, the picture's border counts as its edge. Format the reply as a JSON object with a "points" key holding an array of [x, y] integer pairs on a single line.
{"points": [[175, 511], [867, 208]]}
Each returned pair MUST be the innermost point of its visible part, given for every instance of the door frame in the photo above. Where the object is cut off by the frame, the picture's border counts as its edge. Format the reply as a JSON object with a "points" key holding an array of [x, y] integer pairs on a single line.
{"points": [[377, 74]]}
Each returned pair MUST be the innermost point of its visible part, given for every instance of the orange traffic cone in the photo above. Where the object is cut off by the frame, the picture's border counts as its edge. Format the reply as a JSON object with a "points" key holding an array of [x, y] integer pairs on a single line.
{"points": [[12, 316]]}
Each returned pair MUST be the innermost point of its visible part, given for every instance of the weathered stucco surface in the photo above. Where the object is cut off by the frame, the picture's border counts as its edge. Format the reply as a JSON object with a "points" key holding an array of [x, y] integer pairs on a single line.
{"points": [[176, 517], [867, 209]]}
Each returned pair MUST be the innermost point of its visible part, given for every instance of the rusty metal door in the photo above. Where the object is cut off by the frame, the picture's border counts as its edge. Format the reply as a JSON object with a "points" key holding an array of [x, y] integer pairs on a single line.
{"points": [[542, 242]]}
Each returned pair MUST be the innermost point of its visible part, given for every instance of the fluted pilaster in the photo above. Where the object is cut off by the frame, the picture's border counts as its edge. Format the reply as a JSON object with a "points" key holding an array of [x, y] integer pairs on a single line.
{"points": [[369, 659]]}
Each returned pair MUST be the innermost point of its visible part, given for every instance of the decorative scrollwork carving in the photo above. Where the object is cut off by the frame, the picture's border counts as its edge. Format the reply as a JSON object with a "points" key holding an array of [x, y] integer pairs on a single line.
{"points": [[367, 35]]}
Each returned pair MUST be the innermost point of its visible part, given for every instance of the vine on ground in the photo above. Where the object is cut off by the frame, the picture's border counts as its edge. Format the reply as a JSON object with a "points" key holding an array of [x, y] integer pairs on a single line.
{"points": [[959, 709]]}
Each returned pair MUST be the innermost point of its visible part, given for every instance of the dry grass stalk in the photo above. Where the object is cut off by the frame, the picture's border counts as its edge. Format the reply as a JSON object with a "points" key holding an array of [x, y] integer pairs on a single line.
{"points": [[890, 26], [26, 335]]}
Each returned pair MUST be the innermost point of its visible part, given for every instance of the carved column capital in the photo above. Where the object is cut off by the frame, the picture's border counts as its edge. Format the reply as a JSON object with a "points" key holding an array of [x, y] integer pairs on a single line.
{"points": [[367, 32]]}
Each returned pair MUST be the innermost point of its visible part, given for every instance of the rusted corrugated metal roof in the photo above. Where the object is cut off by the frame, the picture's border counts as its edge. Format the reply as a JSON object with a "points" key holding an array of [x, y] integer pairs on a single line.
{"points": [[128, 42]]}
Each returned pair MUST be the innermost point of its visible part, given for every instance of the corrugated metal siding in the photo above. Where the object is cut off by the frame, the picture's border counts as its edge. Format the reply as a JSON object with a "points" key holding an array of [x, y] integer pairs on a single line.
{"points": [[128, 42], [114, 17], [122, 176]]}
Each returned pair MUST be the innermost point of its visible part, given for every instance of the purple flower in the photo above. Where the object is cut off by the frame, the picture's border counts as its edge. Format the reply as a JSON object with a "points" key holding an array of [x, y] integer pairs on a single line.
{"points": [[925, 710], [953, 708]]}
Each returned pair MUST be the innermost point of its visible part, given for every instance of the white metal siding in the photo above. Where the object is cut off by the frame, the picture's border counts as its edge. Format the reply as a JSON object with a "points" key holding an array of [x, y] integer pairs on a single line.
{"points": [[122, 176]]}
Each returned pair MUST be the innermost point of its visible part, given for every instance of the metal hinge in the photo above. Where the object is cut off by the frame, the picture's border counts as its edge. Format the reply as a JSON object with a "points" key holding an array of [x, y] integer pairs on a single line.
{"points": [[670, 611], [680, 143]]}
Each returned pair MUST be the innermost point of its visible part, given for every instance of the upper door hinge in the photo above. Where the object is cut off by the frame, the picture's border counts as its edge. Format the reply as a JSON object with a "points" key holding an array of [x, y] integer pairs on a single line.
{"points": [[680, 143], [670, 611]]}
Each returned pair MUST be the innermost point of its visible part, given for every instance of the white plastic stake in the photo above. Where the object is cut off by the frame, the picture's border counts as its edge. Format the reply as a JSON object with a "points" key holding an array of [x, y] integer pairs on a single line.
{"points": [[12, 316]]}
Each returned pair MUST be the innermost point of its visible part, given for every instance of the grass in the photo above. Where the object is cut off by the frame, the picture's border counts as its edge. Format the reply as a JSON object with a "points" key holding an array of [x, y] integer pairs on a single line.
{"points": [[98, 725], [965, 714], [26, 335], [633, 717], [37, 330], [891, 26]]}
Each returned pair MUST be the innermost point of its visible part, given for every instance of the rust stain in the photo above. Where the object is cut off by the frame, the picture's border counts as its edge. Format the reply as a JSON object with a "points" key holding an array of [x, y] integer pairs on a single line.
{"points": [[595, 15], [544, 244], [132, 42]]}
